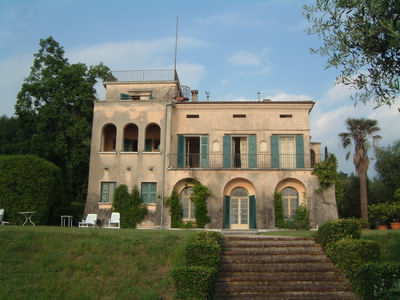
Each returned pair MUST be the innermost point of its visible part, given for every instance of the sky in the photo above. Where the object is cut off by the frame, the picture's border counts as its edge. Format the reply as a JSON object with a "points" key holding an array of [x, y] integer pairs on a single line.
{"points": [[232, 49]]}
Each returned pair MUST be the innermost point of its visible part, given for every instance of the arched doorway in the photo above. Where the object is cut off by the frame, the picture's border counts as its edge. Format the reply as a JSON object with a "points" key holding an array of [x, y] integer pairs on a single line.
{"points": [[239, 208], [239, 205]]}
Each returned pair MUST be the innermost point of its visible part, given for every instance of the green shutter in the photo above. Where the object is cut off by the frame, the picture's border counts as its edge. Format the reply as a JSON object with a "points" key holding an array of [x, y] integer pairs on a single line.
{"points": [[252, 208], [104, 192], [148, 145], [124, 97], [252, 151], [299, 151], [275, 151], [181, 151], [227, 204], [149, 192], [204, 151], [227, 151]]}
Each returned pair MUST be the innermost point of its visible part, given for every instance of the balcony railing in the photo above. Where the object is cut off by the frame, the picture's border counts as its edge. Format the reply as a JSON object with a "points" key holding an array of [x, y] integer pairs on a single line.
{"points": [[237, 161], [145, 75]]}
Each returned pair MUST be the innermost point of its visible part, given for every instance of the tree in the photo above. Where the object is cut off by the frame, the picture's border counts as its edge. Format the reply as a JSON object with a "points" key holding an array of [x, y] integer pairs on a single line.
{"points": [[360, 131], [199, 198], [55, 109], [388, 166], [362, 39], [130, 206]]}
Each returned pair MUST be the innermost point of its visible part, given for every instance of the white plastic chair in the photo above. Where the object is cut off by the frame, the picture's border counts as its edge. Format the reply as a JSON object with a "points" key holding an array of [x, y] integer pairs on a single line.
{"points": [[2, 217], [90, 221], [114, 221]]}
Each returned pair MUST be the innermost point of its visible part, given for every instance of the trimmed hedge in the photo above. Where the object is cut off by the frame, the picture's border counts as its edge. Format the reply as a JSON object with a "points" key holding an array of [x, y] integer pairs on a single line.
{"points": [[349, 254], [193, 282], [336, 230], [30, 183], [375, 281], [203, 253]]}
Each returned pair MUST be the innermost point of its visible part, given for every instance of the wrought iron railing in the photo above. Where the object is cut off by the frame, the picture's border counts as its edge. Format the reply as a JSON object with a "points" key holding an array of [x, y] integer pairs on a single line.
{"points": [[145, 75], [237, 161]]}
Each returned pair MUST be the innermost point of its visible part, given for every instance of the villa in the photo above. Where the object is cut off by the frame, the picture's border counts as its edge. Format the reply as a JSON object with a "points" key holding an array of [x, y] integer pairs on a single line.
{"points": [[155, 133]]}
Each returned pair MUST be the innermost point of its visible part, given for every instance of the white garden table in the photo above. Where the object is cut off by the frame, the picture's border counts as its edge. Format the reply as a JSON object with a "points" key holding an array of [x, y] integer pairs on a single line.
{"points": [[28, 217]]}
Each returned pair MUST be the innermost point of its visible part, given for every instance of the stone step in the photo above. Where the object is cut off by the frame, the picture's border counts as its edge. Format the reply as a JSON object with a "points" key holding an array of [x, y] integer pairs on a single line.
{"points": [[264, 238], [279, 276], [278, 267], [288, 296], [314, 250], [272, 243], [264, 259], [287, 286]]}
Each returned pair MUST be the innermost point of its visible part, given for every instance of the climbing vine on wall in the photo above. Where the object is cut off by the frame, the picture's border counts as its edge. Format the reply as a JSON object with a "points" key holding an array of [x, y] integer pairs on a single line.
{"points": [[175, 209], [199, 198], [278, 204], [326, 172]]}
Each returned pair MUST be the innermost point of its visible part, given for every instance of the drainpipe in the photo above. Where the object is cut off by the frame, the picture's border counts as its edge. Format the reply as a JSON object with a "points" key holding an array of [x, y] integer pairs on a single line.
{"points": [[167, 123]]}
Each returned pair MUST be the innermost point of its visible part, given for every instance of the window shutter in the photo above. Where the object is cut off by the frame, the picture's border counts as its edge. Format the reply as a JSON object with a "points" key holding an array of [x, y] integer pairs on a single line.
{"points": [[226, 212], [252, 151], [181, 151], [227, 151], [124, 97], [148, 145], [204, 151], [252, 208], [275, 151], [299, 151], [104, 192]]}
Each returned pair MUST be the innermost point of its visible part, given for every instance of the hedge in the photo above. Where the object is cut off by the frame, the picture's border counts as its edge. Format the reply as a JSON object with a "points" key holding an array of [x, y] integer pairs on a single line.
{"points": [[383, 213], [349, 254], [30, 183], [203, 253], [378, 281], [193, 282], [336, 230]]}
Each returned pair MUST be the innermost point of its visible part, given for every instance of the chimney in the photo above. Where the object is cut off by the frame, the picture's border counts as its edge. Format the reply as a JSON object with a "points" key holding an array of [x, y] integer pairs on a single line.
{"points": [[195, 94]]}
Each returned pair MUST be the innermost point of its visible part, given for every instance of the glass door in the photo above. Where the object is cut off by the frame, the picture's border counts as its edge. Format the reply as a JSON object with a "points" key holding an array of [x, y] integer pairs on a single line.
{"points": [[239, 212]]}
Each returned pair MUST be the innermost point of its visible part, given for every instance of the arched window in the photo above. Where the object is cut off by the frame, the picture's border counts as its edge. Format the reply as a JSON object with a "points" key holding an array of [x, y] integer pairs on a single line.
{"points": [[290, 199], [130, 138], [312, 158], [152, 142], [187, 203], [109, 138], [239, 192]]}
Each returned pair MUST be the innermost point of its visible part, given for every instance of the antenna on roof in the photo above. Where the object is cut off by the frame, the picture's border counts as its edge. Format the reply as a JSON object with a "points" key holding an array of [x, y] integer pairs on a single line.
{"points": [[176, 41], [207, 95]]}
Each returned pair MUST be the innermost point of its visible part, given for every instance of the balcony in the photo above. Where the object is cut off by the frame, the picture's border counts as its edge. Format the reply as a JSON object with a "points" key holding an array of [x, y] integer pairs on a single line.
{"points": [[237, 161]]}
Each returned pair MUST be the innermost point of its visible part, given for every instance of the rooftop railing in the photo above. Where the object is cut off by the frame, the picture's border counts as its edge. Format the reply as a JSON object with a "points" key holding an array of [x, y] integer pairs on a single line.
{"points": [[146, 75]]}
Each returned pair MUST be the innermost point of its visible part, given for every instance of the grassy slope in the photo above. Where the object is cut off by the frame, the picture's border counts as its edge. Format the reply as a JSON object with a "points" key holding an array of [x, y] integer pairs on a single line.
{"points": [[57, 263]]}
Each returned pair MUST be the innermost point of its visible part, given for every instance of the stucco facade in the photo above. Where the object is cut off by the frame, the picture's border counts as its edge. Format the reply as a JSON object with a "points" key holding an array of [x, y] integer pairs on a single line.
{"points": [[259, 148]]}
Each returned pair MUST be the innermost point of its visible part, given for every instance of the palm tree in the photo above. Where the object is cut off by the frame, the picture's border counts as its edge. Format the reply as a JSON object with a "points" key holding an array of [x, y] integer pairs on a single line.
{"points": [[361, 132]]}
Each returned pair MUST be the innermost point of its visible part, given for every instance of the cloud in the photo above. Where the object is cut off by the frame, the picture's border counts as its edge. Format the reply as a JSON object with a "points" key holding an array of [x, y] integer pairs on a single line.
{"points": [[339, 92], [283, 96], [15, 69], [245, 58]]}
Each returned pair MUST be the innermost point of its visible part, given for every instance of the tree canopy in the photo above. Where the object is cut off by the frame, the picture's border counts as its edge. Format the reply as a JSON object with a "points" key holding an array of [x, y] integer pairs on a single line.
{"points": [[362, 39], [55, 109]]}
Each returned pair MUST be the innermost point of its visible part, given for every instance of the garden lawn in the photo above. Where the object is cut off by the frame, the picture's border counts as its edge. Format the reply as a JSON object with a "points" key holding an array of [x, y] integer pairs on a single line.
{"points": [[70, 263]]}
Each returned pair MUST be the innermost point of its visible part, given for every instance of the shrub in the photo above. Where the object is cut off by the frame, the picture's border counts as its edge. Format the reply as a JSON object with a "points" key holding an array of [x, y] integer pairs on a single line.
{"points": [[175, 209], [379, 214], [130, 206], [326, 172], [30, 183], [203, 253], [335, 230], [278, 204], [375, 281], [349, 254], [301, 219], [193, 282], [211, 236], [199, 198]]}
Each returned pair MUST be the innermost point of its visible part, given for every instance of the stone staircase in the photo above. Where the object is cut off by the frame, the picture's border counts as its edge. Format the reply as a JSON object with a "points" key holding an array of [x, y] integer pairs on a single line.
{"points": [[278, 268]]}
